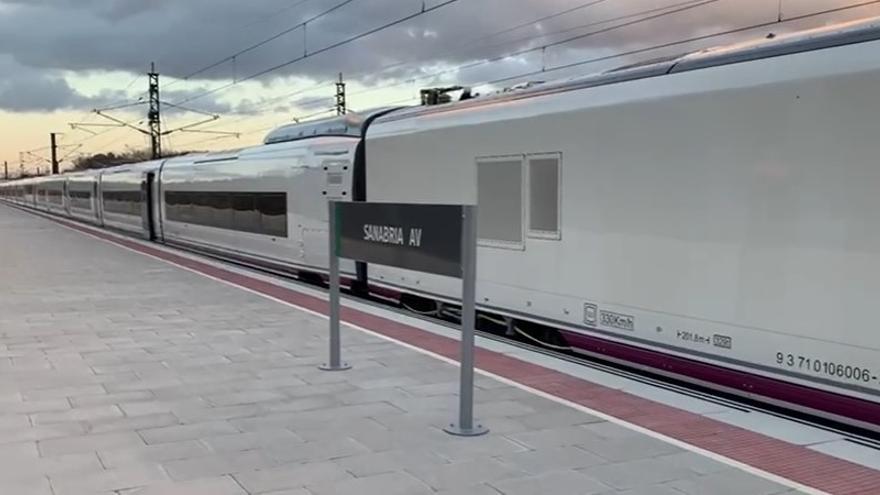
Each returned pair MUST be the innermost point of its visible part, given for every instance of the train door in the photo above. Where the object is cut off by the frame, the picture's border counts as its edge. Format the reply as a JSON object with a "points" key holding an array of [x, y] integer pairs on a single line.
{"points": [[149, 217], [97, 201], [65, 197]]}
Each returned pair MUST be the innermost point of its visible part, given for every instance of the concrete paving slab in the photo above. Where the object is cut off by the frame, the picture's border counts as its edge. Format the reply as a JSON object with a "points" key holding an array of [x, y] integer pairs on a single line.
{"points": [[137, 378]]}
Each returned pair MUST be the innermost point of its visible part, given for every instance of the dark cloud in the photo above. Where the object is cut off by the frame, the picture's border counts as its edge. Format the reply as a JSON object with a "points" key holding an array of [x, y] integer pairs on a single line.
{"points": [[24, 89], [45, 37], [313, 102]]}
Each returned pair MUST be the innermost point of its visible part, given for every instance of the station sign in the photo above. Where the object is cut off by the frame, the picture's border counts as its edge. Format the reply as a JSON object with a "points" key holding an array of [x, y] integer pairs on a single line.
{"points": [[438, 239], [420, 237]]}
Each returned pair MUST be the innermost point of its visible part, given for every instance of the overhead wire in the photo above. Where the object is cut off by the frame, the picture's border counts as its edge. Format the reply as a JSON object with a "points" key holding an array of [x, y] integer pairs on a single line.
{"points": [[685, 5], [275, 14], [638, 51], [269, 102], [547, 17], [136, 78], [693, 39], [466, 43], [302, 118], [178, 80], [261, 129], [657, 46], [268, 40], [597, 23], [309, 54], [85, 118], [653, 14], [679, 7], [76, 146], [469, 44]]}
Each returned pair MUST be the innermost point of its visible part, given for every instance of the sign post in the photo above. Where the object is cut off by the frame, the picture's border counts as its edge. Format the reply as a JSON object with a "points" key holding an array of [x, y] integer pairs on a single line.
{"points": [[335, 363], [438, 239], [465, 426]]}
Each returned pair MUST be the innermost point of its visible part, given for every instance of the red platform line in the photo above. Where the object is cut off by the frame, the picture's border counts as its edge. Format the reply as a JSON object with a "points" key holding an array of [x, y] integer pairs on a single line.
{"points": [[789, 461]]}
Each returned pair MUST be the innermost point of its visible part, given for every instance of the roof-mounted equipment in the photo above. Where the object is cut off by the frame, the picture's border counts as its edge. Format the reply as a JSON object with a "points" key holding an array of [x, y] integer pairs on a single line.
{"points": [[440, 96]]}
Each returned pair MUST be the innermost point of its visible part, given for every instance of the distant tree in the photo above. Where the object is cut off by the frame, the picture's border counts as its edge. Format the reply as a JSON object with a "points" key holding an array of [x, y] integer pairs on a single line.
{"points": [[104, 160]]}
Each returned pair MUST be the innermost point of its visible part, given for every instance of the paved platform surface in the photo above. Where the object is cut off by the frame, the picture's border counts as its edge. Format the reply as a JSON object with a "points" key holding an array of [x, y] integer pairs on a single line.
{"points": [[120, 373]]}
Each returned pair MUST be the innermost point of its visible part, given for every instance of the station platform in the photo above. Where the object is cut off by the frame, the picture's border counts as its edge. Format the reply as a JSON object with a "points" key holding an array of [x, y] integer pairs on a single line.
{"points": [[130, 368]]}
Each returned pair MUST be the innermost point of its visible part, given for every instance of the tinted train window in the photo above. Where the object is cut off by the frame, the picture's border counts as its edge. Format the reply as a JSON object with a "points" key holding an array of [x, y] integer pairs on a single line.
{"points": [[262, 213], [56, 196], [544, 182], [123, 202], [500, 201], [245, 215], [273, 211], [80, 199]]}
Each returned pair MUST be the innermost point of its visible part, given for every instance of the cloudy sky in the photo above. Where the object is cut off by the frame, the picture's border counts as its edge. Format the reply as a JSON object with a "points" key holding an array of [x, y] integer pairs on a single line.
{"points": [[61, 59]]}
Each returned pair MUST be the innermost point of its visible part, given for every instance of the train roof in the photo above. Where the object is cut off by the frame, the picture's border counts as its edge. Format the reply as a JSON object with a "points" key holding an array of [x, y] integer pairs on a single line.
{"points": [[348, 125], [131, 167], [771, 46], [345, 125]]}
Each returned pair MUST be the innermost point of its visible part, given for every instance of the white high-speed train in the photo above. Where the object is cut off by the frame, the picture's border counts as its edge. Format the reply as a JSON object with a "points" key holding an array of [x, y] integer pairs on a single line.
{"points": [[711, 217]]}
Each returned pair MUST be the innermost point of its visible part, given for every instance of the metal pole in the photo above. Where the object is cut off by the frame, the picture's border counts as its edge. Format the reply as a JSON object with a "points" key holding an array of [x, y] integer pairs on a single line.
{"points": [[54, 147], [340, 96], [335, 363], [465, 426], [154, 114]]}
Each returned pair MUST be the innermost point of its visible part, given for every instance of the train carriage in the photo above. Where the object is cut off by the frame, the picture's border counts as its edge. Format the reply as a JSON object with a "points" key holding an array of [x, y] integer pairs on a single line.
{"points": [[264, 205], [721, 218], [126, 194], [82, 196], [50, 195]]}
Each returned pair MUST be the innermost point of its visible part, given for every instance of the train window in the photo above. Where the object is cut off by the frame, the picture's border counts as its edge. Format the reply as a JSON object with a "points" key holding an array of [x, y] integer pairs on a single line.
{"points": [[500, 201], [56, 196], [255, 213], [215, 209], [544, 195], [245, 216], [123, 202], [273, 213], [80, 199]]}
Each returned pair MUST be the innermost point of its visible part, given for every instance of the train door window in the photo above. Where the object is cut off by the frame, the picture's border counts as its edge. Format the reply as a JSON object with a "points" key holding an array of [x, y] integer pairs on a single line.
{"points": [[500, 201], [544, 195], [136, 202]]}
